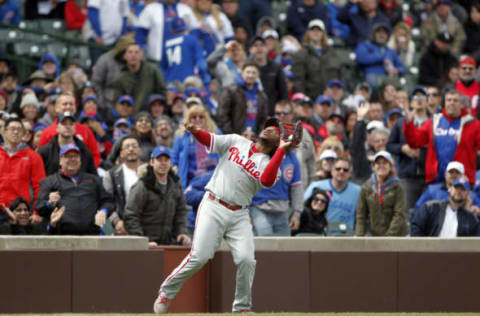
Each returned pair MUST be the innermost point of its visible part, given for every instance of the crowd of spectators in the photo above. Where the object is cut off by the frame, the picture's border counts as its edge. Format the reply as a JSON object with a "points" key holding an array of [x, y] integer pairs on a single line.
{"points": [[387, 92]]}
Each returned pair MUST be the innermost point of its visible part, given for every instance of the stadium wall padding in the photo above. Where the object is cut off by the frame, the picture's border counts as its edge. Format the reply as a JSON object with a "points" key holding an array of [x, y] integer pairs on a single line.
{"points": [[291, 281]]}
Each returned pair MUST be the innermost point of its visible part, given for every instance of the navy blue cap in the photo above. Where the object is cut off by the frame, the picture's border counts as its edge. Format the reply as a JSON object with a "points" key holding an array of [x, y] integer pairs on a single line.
{"points": [[66, 115], [335, 82], [172, 87], [54, 91], [393, 112], [178, 25], [88, 98], [161, 150], [68, 148], [125, 98], [419, 89], [190, 91], [462, 182], [155, 97], [323, 99], [122, 121]]}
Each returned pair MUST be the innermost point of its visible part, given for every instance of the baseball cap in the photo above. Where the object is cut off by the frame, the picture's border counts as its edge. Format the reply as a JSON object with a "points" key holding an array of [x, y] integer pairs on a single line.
{"points": [[172, 87], [316, 23], [384, 154], [66, 115], [323, 99], [178, 96], [393, 112], [255, 39], [88, 98], [190, 91], [195, 100], [455, 165], [380, 25], [374, 125], [161, 150], [68, 148], [122, 121], [178, 25], [468, 60], [54, 91], [335, 82], [419, 89], [337, 115], [90, 115], [445, 37], [270, 33], [448, 2], [155, 97], [461, 182], [364, 86], [298, 97], [126, 98], [328, 154]]}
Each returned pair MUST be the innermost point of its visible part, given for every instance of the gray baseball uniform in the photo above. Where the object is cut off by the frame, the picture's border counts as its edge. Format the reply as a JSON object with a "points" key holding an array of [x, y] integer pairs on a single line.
{"points": [[223, 214]]}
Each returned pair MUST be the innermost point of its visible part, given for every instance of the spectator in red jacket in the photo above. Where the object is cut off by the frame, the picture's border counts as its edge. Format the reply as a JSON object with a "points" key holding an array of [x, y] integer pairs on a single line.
{"points": [[21, 168], [66, 103], [75, 14], [467, 85], [450, 135]]}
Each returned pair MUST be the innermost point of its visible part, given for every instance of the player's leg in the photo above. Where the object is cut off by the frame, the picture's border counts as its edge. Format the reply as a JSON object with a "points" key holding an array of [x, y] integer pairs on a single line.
{"points": [[209, 230], [239, 237]]}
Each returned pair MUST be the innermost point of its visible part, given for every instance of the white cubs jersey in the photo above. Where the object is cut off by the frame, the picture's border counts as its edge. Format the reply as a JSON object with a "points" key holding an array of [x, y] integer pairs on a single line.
{"points": [[153, 19], [111, 14], [210, 26], [236, 178]]}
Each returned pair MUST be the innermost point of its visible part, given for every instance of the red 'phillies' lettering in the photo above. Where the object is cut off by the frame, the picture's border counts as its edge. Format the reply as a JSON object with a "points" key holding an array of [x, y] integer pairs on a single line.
{"points": [[248, 166]]}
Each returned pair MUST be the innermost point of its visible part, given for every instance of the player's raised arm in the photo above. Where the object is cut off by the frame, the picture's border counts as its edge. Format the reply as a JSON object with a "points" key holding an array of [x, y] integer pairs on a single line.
{"points": [[270, 173], [202, 136]]}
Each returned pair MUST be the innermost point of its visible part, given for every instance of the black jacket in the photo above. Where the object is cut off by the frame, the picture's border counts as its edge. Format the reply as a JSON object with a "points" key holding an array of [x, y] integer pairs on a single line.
{"points": [[428, 221], [81, 201], [434, 67], [362, 168], [114, 184], [274, 84], [51, 160]]}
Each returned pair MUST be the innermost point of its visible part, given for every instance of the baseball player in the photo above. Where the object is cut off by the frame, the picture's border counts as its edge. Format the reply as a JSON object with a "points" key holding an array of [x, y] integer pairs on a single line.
{"points": [[244, 168]]}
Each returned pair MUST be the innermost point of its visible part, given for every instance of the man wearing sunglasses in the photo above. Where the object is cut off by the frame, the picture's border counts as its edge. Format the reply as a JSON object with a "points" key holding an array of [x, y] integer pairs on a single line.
{"points": [[342, 207]]}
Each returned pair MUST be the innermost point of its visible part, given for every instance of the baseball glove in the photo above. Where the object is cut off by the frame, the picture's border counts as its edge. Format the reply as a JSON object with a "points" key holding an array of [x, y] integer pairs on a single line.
{"points": [[292, 132]]}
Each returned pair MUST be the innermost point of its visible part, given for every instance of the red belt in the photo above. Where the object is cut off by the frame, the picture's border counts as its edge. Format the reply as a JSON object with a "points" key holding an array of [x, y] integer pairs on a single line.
{"points": [[222, 202]]}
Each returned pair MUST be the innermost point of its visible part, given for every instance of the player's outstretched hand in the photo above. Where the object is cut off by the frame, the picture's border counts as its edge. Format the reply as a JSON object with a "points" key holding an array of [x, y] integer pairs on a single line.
{"points": [[286, 144], [192, 128]]}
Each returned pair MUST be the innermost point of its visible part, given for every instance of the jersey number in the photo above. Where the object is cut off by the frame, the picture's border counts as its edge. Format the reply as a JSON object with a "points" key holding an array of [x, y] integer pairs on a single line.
{"points": [[174, 55]]}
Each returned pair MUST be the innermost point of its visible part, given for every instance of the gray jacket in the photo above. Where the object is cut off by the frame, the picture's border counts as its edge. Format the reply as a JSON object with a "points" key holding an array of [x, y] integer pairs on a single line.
{"points": [[105, 71], [160, 216]]}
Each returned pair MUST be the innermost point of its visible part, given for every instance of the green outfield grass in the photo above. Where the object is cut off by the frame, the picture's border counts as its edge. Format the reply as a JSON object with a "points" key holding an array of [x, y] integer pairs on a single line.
{"points": [[268, 314]]}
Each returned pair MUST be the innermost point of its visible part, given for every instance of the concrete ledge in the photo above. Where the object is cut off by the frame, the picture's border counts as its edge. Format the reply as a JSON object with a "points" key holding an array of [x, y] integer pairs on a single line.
{"points": [[365, 244], [69, 243]]}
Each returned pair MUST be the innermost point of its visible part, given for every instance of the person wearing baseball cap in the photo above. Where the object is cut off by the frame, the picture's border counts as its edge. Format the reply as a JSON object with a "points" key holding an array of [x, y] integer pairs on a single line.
{"points": [[381, 205], [316, 62], [123, 109], [322, 108], [439, 191], [452, 217], [336, 90], [466, 84], [157, 105], [325, 164]]}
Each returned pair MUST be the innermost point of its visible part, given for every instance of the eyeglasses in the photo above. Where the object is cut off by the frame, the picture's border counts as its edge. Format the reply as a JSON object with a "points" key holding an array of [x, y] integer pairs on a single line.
{"points": [[130, 146], [15, 129], [319, 200], [279, 113], [419, 97], [342, 169]]}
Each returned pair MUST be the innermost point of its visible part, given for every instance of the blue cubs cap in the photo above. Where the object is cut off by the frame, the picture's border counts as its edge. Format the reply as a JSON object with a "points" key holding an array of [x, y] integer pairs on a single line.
{"points": [[393, 112], [178, 25], [335, 82], [156, 97], [54, 91], [88, 98], [462, 182], [122, 121], [190, 91], [419, 89], [161, 150], [125, 98], [173, 88], [68, 148], [383, 154], [323, 99]]}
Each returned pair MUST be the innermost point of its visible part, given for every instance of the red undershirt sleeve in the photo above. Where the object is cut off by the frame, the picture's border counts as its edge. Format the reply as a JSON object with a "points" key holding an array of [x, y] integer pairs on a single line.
{"points": [[203, 138], [268, 176]]}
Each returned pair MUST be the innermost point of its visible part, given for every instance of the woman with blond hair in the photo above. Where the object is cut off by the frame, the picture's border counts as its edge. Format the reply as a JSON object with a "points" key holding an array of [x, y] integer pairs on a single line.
{"points": [[191, 157], [402, 43], [316, 63], [381, 207], [215, 28]]}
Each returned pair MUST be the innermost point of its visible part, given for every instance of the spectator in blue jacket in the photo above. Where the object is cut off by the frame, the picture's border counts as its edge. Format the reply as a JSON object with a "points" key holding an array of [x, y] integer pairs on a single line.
{"points": [[439, 191], [338, 29], [194, 194], [376, 59], [447, 219], [301, 12], [50, 65], [9, 12], [361, 22]]}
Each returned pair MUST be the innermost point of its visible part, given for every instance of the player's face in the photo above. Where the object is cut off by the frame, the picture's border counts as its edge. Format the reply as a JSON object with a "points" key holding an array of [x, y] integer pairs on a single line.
{"points": [[270, 136]]}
